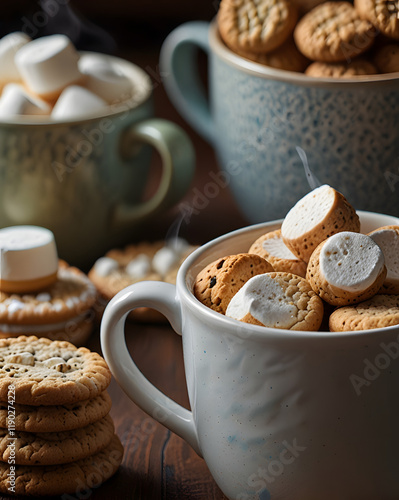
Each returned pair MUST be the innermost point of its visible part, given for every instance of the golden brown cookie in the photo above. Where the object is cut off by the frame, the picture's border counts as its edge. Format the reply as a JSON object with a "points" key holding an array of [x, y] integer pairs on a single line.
{"points": [[387, 238], [73, 478], [386, 58], [317, 216], [378, 312], [53, 448], [216, 284], [333, 32], [45, 372], [120, 268], [55, 418], [348, 268], [286, 57], [271, 247], [357, 67], [257, 26], [277, 300], [383, 14], [61, 311]]}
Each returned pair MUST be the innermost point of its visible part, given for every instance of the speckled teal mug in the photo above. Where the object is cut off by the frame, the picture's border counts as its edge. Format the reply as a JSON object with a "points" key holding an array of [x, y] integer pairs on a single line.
{"points": [[257, 116], [85, 179]]}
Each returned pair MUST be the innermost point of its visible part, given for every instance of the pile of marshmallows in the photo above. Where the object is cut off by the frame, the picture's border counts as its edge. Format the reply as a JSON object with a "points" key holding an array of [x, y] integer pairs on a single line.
{"points": [[47, 76]]}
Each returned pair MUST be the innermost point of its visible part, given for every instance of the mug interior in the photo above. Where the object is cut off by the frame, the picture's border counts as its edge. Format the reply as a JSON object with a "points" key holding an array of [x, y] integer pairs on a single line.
{"points": [[254, 68], [239, 241], [141, 92]]}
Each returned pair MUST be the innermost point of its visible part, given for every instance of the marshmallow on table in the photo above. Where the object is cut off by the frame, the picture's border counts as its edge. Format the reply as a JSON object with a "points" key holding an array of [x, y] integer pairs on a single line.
{"points": [[77, 102], [347, 268], [387, 238], [104, 78], [16, 101], [28, 259], [317, 216], [48, 65], [9, 45]]}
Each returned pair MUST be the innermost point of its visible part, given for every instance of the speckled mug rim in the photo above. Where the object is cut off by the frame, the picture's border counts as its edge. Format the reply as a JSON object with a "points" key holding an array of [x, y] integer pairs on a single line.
{"points": [[266, 72], [110, 112]]}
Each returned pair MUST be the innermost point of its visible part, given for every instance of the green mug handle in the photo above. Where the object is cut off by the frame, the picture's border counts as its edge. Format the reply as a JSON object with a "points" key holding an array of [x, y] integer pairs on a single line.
{"points": [[181, 79], [178, 164]]}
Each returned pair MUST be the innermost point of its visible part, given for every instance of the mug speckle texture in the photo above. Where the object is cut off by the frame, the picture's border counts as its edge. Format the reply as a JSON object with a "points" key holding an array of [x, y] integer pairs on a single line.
{"points": [[349, 135]]}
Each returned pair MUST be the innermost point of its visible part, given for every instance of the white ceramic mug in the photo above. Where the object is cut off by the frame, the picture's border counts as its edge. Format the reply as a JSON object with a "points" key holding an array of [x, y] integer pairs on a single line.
{"points": [[276, 414]]}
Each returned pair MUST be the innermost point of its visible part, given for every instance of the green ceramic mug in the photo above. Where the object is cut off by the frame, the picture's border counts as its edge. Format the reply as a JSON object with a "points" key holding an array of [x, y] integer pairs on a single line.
{"points": [[84, 179]]}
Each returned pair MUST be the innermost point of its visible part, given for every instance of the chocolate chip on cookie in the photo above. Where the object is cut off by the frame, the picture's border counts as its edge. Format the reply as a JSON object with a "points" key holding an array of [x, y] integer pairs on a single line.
{"points": [[219, 281]]}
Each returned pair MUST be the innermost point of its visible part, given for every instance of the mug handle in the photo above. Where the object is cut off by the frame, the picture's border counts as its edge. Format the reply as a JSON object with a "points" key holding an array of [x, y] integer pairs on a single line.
{"points": [[180, 75], [178, 164], [162, 297]]}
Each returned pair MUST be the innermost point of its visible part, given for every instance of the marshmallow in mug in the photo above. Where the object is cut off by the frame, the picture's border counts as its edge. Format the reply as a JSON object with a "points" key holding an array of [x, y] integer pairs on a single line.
{"points": [[15, 101], [48, 65], [77, 102], [104, 79], [28, 259], [9, 45]]}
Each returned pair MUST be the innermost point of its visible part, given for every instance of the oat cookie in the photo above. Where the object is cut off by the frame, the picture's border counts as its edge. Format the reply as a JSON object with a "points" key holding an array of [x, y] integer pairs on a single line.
{"points": [[257, 26], [378, 312], [357, 67], [317, 216], [277, 300], [333, 32], [219, 281], [286, 57], [57, 418], [387, 238], [383, 14], [386, 58], [271, 247], [123, 267], [348, 268], [53, 448], [62, 311], [71, 478], [46, 372]]}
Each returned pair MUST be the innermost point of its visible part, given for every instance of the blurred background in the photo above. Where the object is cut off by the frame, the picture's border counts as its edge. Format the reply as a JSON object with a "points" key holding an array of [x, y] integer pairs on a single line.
{"points": [[135, 30]]}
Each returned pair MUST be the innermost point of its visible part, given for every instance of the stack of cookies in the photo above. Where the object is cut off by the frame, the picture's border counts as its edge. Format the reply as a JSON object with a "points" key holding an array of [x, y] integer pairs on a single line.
{"points": [[56, 436], [323, 39], [317, 267], [40, 294]]}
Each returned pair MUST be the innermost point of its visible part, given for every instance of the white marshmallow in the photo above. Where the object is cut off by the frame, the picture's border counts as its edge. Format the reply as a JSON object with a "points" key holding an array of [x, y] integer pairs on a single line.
{"points": [[77, 102], [16, 101], [139, 267], [164, 259], [276, 248], [50, 362], [22, 358], [104, 78], [27, 253], [9, 45], [48, 64], [388, 241], [351, 261], [178, 245], [265, 300], [43, 297], [104, 266], [308, 212]]}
